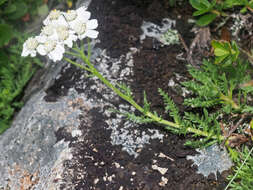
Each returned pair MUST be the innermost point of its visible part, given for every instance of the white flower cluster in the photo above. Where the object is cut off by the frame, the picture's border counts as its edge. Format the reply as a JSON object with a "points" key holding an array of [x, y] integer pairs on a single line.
{"points": [[60, 29]]}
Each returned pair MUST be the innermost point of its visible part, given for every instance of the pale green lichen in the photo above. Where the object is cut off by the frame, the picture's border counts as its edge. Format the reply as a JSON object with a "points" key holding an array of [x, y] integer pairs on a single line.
{"points": [[170, 37]]}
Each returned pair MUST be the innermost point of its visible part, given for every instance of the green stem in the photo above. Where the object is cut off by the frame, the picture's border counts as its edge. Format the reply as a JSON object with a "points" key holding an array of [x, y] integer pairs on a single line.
{"points": [[154, 117], [77, 64], [73, 54], [216, 12]]}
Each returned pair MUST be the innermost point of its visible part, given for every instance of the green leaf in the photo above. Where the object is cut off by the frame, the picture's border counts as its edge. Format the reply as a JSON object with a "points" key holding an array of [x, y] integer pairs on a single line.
{"points": [[206, 3], [243, 10], [2, 2], [220, 59], [21, 11], [200, 12], [3, 58], [5, 34], [197, 4], [221, 48], [10, 9], [221, 51], [206, 19], [3, 126], [232, 3]]}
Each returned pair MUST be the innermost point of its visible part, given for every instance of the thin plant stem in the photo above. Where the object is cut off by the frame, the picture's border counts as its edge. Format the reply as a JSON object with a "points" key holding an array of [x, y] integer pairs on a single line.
{"points": [[233, 178], [77, 64], [127, 98], [73, 54]]}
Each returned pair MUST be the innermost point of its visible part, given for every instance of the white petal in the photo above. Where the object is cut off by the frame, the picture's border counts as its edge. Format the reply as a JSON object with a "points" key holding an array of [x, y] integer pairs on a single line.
{"points": [[92, 24], [46, 21], [72, 24], [41, 50], [91, 33], [25, 52], [55, 55], [82, 8], [62, 21], [60, 48], [54, 36], [80, 37], [82, 14], [41, 38], [33, 53], [73, 37], [69, 43]]}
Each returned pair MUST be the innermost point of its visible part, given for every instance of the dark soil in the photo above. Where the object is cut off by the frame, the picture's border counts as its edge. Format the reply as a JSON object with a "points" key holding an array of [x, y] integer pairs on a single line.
{"points": [[154, 66]]}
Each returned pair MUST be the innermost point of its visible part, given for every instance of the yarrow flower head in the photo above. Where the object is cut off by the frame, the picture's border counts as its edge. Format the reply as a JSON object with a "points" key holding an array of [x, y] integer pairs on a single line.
{"points": [[30, 47], [86, 29], [60, 29], [50, 47], [79, 14], [53, 17], [66, 36]]}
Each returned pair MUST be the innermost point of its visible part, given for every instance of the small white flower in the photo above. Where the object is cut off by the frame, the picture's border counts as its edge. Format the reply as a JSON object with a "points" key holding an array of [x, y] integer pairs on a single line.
{"points": [[70, 15], [79, 14], [54, 17], [29, 47], [48, 30], [60, 29], [65, 35], [51, 48], [86, 29]]}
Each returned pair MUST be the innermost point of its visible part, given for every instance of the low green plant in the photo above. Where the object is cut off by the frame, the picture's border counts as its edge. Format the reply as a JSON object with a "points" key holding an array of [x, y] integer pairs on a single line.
{"points": [[225, 52], [11, 14], [207, 11], [15, 72], [242, 179], [246, 4]]}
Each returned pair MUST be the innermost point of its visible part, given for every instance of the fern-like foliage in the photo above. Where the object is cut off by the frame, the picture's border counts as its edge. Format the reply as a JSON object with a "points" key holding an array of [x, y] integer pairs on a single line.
{"points": [[125, 89], [146, 104], [142, 119], [206, 122], [15, 72], [213, 81], [137, 119], [170, 107]]}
